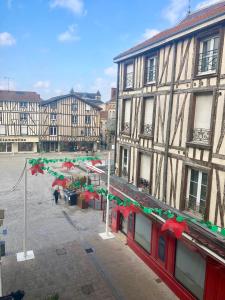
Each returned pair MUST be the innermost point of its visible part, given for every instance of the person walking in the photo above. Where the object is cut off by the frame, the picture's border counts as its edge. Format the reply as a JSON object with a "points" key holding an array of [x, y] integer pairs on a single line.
{"points": [[56, 195]]}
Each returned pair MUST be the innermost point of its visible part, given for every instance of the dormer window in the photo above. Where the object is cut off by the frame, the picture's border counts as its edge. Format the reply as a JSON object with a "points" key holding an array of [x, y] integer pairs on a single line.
{"points": [[53, 105], [150, 71], [129, 75], [208, 55], [23, 104]]}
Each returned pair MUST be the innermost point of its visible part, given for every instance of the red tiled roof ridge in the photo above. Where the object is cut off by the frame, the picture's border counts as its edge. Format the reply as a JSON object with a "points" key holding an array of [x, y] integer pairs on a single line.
{"points": [[191, 20], [6, 95]]}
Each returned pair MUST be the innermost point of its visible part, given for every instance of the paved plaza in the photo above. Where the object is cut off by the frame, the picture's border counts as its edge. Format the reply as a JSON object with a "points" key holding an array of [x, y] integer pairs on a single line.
{"points": [[70, 257]]}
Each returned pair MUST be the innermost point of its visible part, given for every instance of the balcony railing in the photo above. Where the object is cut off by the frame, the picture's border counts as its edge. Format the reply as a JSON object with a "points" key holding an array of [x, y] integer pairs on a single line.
{"points": [[208, 61], [129, 80], [201, 135], [144, 185], [147, 129], [126, 127]]}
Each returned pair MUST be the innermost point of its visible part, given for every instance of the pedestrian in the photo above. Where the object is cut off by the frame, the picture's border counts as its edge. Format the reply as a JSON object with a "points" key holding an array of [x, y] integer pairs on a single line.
{"points": [[56, 195]]}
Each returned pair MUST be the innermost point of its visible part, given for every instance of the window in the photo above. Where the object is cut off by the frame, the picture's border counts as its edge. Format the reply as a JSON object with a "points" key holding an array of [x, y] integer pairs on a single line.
{"points": [[0, 117], [25, 147], [129, 75], [208, 55], [124, 162], [74, 106], [23, 104], [87, 108], [143, 229], [5, 147], [1, 103], [190, 270], [74, 119], [87, 131], [144, 176], [162, 248], [126, 116], [197, 191], [23, 130], [2, 129], [53, 116], [23, 117], [87, 119], [52, 130], [150, 74], [202, 118], [53, 105], [123, 224], [148, 116]]}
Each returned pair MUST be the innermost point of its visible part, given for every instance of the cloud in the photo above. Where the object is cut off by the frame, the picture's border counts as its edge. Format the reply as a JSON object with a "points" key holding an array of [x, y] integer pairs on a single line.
{"points": [[70, 35], [42, 84], [111, 71], [104, 85], [75, 6], [206, 3], [175, 11], [6, 39], [149, 33]]}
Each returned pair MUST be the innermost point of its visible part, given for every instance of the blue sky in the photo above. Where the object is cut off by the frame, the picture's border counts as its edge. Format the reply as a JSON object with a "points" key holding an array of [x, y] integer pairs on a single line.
{"points": [[50, 46]]}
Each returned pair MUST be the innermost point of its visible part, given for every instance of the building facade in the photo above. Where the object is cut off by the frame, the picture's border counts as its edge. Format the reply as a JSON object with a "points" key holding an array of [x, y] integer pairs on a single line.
{"points": [[19, 121], [69, 123], [170, 150]]}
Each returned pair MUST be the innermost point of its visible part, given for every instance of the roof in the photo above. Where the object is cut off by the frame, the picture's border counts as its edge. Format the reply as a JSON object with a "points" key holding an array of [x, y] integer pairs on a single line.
{"points": [[89, 96], [19, 96], [192, 20], [73, 95]]}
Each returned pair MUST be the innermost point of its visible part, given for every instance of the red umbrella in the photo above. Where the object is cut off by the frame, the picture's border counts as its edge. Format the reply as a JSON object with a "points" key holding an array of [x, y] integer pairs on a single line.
{"points": [[60, 182], [176, 227], [37, 169], [69, 165]]}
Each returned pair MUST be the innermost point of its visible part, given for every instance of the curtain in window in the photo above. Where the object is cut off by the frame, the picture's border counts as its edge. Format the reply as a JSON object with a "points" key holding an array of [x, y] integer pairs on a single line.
{"points": [[203, 109], [145, 167], [143, 228]]}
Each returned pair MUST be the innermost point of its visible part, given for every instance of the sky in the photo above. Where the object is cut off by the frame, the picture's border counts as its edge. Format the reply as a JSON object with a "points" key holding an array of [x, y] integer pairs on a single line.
{"points": [[51, 46]]}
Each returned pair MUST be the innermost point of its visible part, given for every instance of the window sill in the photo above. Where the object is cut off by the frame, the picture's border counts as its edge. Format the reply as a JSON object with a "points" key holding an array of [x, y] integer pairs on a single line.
{"points": [[128, 89], [199, 145], [205, 74], [145, 136], [125, 133], [150, 83]]}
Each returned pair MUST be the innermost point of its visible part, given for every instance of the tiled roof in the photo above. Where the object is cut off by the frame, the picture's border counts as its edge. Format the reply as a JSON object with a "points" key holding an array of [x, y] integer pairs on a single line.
{"points": [[58, 98], [20, 96], [190, 21]]}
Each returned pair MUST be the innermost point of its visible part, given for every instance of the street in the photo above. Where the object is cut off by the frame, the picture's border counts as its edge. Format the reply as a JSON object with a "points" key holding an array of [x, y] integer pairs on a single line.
{"points": [[70, 257]]}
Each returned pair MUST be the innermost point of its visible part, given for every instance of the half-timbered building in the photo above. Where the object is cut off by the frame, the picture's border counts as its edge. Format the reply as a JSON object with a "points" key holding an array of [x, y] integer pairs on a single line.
{"points": [[19, 121], [170, 150], [68, 123]]}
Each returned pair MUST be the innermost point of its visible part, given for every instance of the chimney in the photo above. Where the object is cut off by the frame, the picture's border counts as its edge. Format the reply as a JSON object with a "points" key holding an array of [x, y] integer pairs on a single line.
{"points": [[113, 93]]}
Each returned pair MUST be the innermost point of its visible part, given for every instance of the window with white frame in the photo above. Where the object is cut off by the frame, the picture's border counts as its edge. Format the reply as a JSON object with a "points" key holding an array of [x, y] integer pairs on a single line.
{"points": [[53, 116], [23, 117], [74, 106], [129, 75], [0, 117], [202, 119], [87, 107], [87, 131], [74, 119], [23, 130], [144, 176], [196, 191], [53, 105], [208, 55], [150, 69], [148, 116], [1, 104], [2, 129], [23, 104], [125, 161], [190, 270], [87, 119], [53, 130], [143, 230], [126, 115]]}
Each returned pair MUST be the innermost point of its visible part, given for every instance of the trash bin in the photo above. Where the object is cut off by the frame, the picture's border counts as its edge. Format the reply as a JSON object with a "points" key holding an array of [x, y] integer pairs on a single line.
{"points": [[72, 199], [2, 248]]}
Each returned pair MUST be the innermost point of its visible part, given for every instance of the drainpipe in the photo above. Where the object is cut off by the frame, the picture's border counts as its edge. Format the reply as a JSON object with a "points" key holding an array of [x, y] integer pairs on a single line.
{"points": [[117, 112], [169, 123]]}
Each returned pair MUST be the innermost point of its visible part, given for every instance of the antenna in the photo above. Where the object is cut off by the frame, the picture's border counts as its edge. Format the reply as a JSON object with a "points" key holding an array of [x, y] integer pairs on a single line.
{"points": [[8, 81], [189, 7]]}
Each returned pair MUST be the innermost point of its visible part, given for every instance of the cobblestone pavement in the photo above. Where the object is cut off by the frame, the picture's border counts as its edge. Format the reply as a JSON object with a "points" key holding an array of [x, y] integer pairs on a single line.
{"points": [[59, 235]]}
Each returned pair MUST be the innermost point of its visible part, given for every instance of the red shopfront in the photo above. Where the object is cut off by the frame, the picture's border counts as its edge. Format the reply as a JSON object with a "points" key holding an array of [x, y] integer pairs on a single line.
{"points": [[184, 267]]}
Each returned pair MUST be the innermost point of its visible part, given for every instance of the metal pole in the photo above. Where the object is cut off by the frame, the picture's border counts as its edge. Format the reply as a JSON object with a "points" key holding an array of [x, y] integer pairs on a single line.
{"points": [[25, 211], [107, 203], [0, 272]]}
